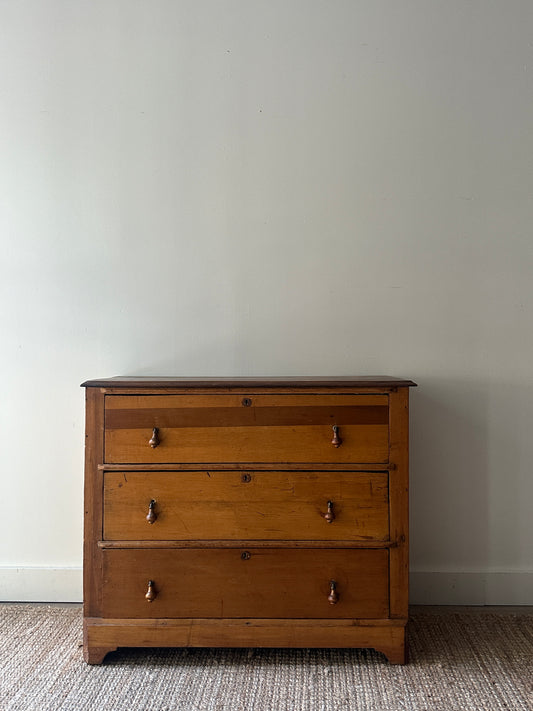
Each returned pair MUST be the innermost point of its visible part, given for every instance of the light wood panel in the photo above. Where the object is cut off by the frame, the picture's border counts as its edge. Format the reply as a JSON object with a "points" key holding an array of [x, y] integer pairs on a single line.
{"points": [[235, 401], [364, 443], [252, 505], [105, 635]]}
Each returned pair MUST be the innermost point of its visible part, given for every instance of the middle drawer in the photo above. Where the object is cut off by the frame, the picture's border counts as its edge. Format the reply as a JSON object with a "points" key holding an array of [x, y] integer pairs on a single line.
{"points": [[236, 505]]}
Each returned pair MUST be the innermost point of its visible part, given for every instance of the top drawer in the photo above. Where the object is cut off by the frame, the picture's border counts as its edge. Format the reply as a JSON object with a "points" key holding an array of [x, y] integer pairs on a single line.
{"points": [[230, 428]]}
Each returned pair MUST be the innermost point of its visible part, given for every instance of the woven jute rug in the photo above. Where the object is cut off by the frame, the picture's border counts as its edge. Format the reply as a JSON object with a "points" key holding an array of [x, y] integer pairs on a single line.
{"points": [[458, 662]]}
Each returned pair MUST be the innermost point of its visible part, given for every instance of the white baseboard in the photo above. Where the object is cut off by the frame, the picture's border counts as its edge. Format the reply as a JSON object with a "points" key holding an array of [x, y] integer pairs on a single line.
{"points": [[33, 584], [491, 588]]}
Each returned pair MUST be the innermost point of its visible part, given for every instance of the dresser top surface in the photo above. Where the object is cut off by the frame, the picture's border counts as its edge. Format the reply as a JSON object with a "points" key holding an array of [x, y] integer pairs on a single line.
{"points": [[372, 381]]}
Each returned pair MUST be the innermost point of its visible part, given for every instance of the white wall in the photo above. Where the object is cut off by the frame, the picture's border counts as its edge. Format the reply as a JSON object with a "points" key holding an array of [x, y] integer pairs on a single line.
{"points": [[248, 188]]}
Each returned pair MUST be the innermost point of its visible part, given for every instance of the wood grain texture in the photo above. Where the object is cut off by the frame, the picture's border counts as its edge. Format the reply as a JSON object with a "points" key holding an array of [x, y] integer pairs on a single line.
{"points": [[399, 503], [228, 543], [245, 392], [182, 417], [220, 428], [246, 466], [222, 583], [93, 504], [246, 562], [256, 505], [234, 401], [361, 443], [382, 635]]}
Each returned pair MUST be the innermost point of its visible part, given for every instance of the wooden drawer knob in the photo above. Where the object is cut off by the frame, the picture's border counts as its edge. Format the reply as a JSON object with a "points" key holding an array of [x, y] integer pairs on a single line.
{"points": [[336, 441], [152, 516], [333, 597], [150, 593], [329, 515], [154, 441]]}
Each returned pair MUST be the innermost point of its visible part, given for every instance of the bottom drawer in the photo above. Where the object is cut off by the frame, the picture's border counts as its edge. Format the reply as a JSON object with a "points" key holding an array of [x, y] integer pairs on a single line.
{"points": [[236, 582]]}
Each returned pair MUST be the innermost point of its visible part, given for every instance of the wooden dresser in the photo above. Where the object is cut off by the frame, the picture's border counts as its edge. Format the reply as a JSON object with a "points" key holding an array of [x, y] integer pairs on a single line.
{"points": [[246, 512]]}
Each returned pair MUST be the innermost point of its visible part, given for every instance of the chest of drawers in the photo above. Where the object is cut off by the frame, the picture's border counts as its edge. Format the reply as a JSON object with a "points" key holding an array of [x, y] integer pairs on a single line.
{"points": [[246, 512]]}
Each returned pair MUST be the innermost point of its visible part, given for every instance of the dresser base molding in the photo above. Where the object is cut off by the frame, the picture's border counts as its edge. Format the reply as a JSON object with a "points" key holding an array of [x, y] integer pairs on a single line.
{"points": [[101, 636]]}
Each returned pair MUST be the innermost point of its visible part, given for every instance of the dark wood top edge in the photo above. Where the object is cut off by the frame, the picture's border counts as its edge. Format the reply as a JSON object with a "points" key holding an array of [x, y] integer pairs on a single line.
{"points": [[379, 381]]}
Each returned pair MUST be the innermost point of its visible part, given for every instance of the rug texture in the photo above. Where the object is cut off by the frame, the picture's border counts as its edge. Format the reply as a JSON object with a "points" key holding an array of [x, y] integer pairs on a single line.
{"points": [[458, 662]]}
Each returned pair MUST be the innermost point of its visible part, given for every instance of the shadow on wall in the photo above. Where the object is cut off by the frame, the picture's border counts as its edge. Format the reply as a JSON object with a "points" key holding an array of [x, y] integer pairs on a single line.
{"points": [[449, 507]]}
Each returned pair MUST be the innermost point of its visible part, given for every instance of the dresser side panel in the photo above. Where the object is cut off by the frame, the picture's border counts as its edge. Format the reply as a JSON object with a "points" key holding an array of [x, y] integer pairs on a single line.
{"points": [[94, 456], [399, 503]]}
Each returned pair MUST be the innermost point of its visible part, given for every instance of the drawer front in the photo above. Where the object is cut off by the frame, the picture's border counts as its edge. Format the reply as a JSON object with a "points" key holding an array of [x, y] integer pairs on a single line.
{"points": [[246, 428], [264, 583], [231, 505]]}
